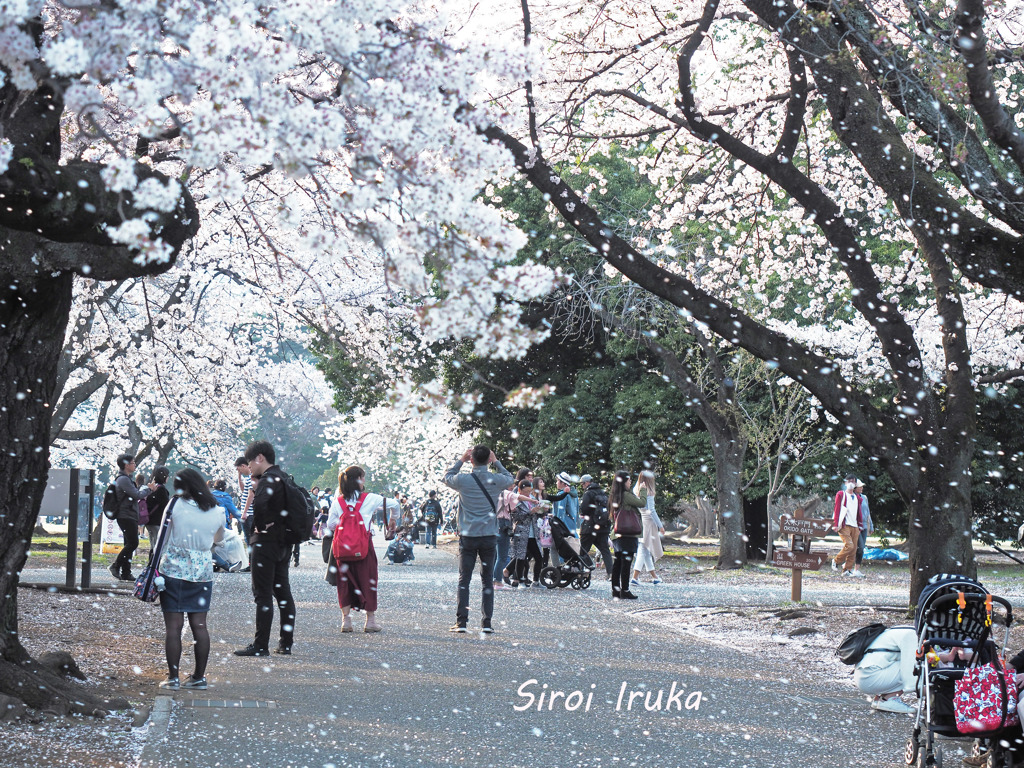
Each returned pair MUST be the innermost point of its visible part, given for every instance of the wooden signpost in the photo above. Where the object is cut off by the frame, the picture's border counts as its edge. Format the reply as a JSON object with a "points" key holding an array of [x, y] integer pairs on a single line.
{"points": [[799, 557]]}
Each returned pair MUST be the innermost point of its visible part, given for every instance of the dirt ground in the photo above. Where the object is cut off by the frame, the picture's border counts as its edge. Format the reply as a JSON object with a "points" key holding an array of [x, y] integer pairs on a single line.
{"points": [[97, 629]]}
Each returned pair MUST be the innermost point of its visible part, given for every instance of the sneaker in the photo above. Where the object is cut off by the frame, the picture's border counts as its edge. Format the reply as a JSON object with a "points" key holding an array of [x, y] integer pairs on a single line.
{"points": [[283, 650], [498, 585], [195, 684], [235, 567], [523, 585], [458, 628], [634, 583], [892, 705], [537, 585], [114, 572], [486, 630], [252, 650], [128, 576], [171, 683], [856, 572], [847, 573], [657, 581], [835, 566], [977, 761], [628, 596]]}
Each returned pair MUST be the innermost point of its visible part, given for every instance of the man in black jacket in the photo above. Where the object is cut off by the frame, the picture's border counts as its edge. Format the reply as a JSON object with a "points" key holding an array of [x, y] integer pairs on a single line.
{"points": [[594, 521], [128, 495], [271, 553]]}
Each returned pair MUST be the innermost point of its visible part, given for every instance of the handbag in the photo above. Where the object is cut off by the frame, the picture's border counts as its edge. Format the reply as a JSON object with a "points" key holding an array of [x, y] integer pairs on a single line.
{"points": [[145, 585], [985, 699], [628, 521], [331, 577], [390, 524]]}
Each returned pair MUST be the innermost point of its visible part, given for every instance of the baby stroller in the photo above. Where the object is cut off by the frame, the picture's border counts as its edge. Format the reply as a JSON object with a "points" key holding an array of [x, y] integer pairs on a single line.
{"points": [[954, 612], [576, 566]]}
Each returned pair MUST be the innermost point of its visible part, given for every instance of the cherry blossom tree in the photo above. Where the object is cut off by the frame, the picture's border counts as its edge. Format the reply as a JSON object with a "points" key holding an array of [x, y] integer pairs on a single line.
{"points": [[127, 129], [858, 163]]}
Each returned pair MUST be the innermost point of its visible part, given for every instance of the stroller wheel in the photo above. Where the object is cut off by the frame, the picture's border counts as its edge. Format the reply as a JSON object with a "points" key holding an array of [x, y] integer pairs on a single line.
{"points": [[937, 756], [550, 577], [911, 750], [584, 581], [576, 583]]}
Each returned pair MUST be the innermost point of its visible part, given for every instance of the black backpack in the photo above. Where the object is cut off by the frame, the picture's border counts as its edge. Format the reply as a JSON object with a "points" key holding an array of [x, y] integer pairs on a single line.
{"points": [[600, 515], [110, 502], [855, 644], [301, 512], [432, 510]]}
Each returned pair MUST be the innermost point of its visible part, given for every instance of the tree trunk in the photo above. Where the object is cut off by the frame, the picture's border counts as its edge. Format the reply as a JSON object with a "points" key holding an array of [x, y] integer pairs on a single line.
{"points": [[940, 523], [729, 450], [33, 315]]}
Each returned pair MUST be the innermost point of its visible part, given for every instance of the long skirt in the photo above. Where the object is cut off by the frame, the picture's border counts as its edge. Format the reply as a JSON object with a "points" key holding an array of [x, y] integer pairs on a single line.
{"points": [[357, 583]]}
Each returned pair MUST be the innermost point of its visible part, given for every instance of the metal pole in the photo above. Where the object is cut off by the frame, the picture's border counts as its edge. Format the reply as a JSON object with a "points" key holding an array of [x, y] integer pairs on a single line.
{"points": [[71, 569], [796, 588], [87, 541]]}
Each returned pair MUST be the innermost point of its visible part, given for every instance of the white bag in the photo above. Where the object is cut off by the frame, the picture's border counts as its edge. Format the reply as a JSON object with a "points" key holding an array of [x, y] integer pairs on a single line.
{"points": [[232, 548]]}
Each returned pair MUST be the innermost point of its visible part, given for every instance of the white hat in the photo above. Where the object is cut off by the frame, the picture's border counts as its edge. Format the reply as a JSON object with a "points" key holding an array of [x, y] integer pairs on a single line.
{"points": [[858, 483], [565, 477]]}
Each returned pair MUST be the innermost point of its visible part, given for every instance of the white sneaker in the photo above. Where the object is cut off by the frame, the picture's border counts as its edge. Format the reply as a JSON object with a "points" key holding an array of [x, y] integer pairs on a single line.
{"points": [[834, 566], [892, 705], [856, 572]]}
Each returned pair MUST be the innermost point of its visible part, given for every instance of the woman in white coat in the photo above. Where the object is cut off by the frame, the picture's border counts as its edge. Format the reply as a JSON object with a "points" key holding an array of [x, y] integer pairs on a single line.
{"points": [[650, 550]]}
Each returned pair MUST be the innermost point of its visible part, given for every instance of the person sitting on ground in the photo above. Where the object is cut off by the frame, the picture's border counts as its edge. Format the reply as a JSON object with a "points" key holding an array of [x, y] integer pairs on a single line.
{"points": [[400, 551], [887, 670]]}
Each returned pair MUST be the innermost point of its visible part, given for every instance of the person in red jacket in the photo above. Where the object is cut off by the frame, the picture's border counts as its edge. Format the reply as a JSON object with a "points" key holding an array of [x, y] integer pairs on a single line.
{"points": [[848, 519]]}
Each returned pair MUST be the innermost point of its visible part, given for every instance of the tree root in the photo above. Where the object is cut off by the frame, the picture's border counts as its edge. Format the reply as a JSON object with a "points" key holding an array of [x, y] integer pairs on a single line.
{"points": [[38, 688]]}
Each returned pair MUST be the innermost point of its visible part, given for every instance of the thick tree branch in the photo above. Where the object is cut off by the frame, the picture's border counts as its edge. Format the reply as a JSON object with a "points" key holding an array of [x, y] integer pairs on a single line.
{"points": [[973, 45], [880, 433]]}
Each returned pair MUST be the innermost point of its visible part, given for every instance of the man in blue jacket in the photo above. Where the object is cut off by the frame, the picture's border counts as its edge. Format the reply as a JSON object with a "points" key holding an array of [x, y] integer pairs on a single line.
{"points": [[566, 502], [477, 523]]}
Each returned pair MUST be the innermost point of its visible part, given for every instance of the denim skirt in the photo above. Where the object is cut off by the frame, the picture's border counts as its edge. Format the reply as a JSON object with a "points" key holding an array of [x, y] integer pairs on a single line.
{"points": [[179, 596]]}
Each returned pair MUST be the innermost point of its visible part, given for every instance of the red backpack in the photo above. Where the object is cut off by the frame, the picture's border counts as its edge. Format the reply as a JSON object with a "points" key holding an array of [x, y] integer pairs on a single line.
{"points": [[351, 538]]}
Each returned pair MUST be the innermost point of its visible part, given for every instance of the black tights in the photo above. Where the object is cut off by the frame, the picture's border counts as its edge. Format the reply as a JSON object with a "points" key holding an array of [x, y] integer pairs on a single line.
{"points": [[622, 568], [174, 623], [522, 567]]}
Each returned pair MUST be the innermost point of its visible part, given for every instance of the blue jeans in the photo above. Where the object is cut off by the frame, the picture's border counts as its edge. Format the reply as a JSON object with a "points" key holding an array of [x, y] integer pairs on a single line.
{"points": [[471, 547], [431, 534], [502, 559], [220, 562]]}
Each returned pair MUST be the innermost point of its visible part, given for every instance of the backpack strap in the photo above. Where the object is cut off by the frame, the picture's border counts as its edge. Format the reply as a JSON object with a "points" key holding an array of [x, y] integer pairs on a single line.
{"points": [[158, 548], [479, 482], [359, 503]]}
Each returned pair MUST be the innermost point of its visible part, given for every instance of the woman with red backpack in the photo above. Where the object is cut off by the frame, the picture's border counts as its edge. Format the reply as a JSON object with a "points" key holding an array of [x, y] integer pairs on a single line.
{"points": [[352, 512]]}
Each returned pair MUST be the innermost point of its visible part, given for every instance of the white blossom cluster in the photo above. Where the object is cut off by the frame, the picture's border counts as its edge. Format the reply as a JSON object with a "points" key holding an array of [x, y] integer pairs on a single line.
{"points": [[364, 107], [611, 72]]}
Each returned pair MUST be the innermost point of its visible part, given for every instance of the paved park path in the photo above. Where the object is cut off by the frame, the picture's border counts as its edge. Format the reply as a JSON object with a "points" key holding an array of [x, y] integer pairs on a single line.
{"points": [[416, 695]]}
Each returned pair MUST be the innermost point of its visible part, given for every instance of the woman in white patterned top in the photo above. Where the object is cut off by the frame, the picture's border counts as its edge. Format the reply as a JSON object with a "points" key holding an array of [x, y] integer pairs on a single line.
{"points": [[195, 524]]}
